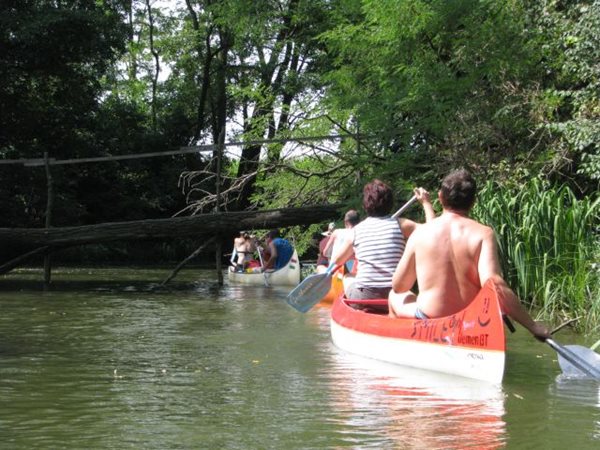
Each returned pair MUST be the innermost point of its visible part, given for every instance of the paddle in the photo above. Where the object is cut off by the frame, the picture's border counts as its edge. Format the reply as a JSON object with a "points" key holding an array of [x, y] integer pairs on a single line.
{"points": [[233, 259], [572, 359], [314, 287], [576, 359], [311, 290], [404, 207], [262, 266]]}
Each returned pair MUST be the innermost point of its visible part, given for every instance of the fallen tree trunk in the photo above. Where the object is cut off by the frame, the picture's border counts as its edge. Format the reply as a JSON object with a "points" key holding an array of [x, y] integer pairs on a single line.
{"points": [[203, 224]]}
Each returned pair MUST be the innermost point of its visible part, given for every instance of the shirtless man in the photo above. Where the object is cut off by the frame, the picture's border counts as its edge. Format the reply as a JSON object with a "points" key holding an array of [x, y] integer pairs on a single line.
{"points": [[244, 247], [451, 257], [341, 236]]}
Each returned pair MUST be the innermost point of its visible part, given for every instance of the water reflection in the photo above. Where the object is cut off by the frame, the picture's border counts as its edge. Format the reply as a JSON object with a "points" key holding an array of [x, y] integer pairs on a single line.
{"points": [[583, 391], [102, 360], [414, 408]]}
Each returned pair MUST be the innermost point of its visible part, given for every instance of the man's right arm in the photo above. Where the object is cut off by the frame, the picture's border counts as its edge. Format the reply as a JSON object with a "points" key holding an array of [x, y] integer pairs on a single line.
{"points": [[489, 269], [488, 264], [405, 274], [344, 253]]}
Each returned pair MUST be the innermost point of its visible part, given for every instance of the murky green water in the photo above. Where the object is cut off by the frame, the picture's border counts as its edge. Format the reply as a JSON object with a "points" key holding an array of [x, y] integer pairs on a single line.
{"points": [[103, 361]]}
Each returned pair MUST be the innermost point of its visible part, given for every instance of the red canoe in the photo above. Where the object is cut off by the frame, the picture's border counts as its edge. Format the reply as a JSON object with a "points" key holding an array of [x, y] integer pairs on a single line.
{"points": [[470, 343]]}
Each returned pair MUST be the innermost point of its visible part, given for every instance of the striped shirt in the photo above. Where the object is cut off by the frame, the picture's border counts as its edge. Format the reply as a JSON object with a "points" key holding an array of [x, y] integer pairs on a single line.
{"points": [[378, 246]]}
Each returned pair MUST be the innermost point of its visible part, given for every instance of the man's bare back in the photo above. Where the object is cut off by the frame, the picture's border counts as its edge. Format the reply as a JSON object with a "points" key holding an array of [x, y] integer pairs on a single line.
{"points": [[451, 257], [446, 254]]}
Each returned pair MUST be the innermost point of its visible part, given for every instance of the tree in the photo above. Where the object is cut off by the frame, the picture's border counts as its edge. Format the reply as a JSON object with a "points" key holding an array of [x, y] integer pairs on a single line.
{"points": [[568, 101], [260, 62], [436, 81], [52, 57]]}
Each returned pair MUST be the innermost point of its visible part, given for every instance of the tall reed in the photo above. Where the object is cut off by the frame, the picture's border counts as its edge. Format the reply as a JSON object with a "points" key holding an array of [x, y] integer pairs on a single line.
{"points": [[549, 243]]}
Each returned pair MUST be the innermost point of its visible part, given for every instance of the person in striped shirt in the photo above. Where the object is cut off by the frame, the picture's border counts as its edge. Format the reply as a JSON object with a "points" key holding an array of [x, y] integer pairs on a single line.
{"points": [[379, 241]]}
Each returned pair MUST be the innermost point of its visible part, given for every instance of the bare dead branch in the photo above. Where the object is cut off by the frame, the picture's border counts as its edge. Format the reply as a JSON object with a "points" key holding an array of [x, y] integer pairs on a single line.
{"points": [[186, 260]]}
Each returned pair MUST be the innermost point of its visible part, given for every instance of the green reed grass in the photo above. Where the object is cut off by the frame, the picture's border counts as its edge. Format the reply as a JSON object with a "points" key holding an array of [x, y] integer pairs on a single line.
{"points": [[549, 242]]}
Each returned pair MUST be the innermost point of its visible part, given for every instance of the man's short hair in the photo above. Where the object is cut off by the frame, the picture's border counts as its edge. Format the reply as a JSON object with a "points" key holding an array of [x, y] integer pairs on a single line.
{"points": [[352, 217], [377, 198], [459, 190]]}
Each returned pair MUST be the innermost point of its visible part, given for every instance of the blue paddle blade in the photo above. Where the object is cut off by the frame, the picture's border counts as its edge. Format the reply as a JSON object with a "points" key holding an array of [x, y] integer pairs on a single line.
{"points": [[310, 292]]}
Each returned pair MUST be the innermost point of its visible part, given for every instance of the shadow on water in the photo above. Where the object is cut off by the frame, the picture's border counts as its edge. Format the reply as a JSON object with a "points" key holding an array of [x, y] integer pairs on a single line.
{"points": [[99, 279]]}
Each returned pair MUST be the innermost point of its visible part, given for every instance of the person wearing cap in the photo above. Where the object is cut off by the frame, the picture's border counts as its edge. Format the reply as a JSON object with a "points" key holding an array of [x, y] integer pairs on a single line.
{"points": [[323, 258]]}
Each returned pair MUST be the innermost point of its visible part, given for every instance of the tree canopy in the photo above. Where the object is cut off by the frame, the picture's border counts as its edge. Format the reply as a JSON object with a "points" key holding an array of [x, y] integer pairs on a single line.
{"points": [[412, 87]]}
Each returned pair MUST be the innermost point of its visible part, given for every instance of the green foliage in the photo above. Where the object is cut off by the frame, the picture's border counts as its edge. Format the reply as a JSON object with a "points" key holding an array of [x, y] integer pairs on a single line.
{"points": [[473, 83], [550, 243], [51, 58], [571, 51], [436, 75]]}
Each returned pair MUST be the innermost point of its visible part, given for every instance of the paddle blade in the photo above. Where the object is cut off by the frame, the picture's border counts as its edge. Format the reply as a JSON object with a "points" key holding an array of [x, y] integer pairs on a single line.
{"points": [[588, 356], [310, 292], [576, 360]]}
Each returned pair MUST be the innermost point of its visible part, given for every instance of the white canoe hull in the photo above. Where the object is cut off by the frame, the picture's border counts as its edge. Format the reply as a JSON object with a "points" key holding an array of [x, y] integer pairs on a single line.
{"points": [[486, 365], [286, 276]]}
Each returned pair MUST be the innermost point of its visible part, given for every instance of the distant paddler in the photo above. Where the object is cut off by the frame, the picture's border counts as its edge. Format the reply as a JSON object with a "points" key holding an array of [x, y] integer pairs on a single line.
{"points": [[324, 250], [342, 235], [279, 251]]}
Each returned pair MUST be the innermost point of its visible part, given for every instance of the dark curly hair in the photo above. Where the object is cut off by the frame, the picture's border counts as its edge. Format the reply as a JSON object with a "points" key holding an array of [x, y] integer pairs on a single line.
{"points": [[458, 190], [377, 198]]}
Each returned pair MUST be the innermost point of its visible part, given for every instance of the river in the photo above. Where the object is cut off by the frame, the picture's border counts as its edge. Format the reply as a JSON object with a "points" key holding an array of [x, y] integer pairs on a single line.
{"points": [[103, 360]]}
